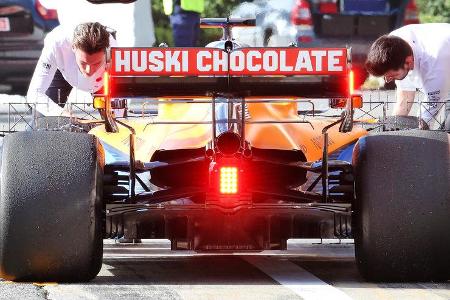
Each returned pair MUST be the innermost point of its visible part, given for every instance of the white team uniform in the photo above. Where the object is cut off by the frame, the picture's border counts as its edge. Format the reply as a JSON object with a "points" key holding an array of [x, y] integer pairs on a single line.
{"points": [[58, 54], [431, 48]]}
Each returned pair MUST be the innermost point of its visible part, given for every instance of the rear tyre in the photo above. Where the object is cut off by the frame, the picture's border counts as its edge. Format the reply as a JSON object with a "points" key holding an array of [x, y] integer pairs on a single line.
{"points": [[50, 207], [402, 206], [403, 123]]}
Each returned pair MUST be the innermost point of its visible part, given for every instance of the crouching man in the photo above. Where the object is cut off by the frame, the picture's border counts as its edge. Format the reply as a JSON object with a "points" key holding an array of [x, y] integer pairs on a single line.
{"points": [[70, 58], [417, 57]]}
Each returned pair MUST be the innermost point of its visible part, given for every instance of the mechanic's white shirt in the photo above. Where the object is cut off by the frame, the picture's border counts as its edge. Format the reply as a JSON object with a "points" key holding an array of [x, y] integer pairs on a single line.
{"points": [[58, 54], [431, 48]]}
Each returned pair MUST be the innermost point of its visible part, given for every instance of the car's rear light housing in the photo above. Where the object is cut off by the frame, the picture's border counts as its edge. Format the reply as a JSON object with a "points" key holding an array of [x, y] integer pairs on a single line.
{"points": [[227, 184], [356, 99], [328, 6], [106, 87], [100, 100], [44, 12], [411, 13], [229, 180], [301, 13], [340, 103], [10, 10], [351, 82]]}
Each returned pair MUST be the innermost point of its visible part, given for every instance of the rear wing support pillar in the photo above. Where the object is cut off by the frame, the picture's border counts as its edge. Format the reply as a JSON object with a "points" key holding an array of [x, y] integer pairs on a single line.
{"points": [[213, 116], [325, 159], [132, 175]]}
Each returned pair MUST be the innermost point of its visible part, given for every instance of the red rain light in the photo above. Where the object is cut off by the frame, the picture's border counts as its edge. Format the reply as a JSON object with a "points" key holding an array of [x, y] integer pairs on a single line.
{"points": [[351, 82], [106, 83], [228, 180]]}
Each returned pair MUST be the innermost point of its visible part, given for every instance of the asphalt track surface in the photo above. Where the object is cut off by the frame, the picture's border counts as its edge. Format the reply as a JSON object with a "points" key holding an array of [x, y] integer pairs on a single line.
{"points": [[308, 270]]}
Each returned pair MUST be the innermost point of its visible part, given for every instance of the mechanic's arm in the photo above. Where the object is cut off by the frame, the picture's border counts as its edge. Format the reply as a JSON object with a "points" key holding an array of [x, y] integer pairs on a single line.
{"points": [[435, 90], [404, 102], [40, 82]]}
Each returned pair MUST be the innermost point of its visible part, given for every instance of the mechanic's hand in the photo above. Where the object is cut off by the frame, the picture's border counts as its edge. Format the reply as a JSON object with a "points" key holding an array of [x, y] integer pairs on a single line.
{"points": [[423, 125], [138, 164], [77, 121]]}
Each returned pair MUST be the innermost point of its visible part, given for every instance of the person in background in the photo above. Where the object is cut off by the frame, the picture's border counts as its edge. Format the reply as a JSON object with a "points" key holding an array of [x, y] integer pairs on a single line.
{"points": [[132, 23], [70, 58], [185, 20], [417, 57]]}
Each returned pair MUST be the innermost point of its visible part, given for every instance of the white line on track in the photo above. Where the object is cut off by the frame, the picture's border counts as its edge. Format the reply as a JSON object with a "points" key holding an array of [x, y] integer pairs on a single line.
{"points": [[301, 282]]}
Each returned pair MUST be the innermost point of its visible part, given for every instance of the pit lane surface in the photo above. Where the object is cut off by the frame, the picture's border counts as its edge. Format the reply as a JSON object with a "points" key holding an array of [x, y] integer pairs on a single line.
{"points": [[151, 271]]}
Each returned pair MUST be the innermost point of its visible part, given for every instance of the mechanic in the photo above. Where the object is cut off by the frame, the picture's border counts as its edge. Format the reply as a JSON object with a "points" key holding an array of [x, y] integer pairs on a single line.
{"points": [[417, 57], [185, 20], [70, 58]]}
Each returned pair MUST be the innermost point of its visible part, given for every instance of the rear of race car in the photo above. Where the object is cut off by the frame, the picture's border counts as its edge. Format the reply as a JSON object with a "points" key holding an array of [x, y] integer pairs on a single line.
{"points": [[229, 160], [242, 188]]}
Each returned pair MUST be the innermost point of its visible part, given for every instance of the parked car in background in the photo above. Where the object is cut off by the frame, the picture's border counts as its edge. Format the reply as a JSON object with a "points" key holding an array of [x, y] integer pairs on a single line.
{"points": [[23, 26], [325, 23]]}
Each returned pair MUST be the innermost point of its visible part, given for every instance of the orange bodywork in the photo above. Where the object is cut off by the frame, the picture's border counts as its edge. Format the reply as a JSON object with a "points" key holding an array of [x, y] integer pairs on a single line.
{"points": [[287, 136], [301, 136]]}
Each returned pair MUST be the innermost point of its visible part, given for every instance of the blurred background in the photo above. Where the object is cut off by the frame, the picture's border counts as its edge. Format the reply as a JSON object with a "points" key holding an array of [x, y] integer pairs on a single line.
{"points": [[316, 23], [429, 11]]}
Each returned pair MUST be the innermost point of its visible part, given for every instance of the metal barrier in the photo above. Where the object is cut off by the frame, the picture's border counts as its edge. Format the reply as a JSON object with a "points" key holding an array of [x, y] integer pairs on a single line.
{"points": [[378, 104], [21, 116]]}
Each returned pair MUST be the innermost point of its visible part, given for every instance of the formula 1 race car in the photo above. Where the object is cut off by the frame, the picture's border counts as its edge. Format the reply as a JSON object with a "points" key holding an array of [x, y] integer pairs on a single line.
{"points": [[227, 165]]}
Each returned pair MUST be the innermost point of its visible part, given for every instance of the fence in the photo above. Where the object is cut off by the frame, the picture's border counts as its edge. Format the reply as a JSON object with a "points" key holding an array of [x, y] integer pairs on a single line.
{"points": [[17, 115]]}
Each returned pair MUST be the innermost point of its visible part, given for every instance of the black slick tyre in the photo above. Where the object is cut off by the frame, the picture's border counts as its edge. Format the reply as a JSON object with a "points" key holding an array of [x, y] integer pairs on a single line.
{"points": [[402, 206], [393, 123], [50, 207]]}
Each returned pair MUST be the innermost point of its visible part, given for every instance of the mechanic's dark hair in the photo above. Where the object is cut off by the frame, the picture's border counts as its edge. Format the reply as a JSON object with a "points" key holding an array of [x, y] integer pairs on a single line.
{"points": [[91, 37], [387, 53]]}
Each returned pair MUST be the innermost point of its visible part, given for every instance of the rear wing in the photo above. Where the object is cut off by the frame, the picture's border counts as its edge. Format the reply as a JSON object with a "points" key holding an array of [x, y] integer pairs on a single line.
{"points": [[243, 72]]}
